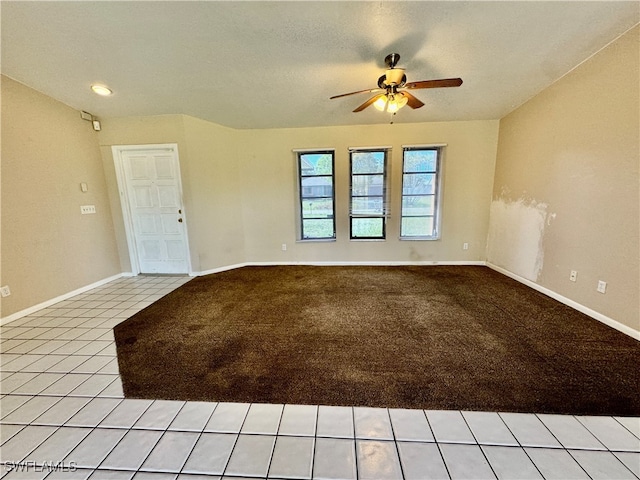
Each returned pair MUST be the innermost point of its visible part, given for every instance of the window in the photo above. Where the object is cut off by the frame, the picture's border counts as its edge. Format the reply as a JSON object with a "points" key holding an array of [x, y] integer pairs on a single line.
{"points": [[368, 193], [317, 202], [420, 193]]}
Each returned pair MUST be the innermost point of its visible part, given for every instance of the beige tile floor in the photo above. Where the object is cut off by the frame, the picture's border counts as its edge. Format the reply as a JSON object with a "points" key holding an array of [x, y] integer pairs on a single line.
{"points": [[63, 416]]}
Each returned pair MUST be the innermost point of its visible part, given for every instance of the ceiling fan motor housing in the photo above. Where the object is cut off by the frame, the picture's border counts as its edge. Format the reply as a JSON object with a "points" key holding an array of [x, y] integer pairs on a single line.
{"points": [[395, 76]]}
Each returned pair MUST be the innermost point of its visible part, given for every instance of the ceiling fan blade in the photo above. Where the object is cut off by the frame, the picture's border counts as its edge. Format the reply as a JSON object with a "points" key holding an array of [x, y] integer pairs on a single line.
{"points": [[445, 82], [368, 102], [412, 101], [371, 90]]}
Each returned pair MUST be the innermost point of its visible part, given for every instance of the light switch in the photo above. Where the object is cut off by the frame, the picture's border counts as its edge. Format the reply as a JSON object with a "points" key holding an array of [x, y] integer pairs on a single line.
{"points": [[84, 187]]}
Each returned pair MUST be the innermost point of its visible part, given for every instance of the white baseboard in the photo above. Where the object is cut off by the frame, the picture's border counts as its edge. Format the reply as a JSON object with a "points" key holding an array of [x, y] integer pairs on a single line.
{"points": [[48, 303], [571, 303], [219, 269], [336, 264]]}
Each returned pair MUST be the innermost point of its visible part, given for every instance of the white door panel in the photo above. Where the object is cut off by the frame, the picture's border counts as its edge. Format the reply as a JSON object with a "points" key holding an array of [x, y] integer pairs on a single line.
{"points": [[155, 203]]}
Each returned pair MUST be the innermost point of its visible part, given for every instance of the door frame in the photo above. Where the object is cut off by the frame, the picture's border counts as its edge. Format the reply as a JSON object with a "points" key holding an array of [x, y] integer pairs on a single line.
{"points": [[117, 152]]}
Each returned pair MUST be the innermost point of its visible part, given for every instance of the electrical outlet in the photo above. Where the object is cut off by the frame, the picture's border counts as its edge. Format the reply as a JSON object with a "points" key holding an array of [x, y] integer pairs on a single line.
{"points": [[574, 276], [87, 209], [4, 291], [284, 247], [465, 246], [602, 286]]}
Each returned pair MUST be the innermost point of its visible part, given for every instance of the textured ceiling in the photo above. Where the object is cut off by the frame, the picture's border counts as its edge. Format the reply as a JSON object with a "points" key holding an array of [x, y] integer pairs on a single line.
{"points": [[275, 64]]}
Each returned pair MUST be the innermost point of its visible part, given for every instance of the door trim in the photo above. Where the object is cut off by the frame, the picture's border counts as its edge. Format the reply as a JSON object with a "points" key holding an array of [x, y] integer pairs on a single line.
{"points": [[117, 152]]}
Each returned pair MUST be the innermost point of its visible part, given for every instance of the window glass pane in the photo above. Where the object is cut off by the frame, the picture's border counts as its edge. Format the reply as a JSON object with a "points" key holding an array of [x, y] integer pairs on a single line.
{"points": [[320, 208], [417, 206], [367, 185], [420, 160], [316, 164], [417, 227], [316, 195], [419, 190], [317, 228], [367, 228], [367, 206], [367, 162], [317, 186], [418, 183]]}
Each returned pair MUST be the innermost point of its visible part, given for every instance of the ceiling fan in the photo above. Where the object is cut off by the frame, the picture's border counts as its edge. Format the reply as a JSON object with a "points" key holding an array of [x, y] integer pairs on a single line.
{"points": [[392, 92]]}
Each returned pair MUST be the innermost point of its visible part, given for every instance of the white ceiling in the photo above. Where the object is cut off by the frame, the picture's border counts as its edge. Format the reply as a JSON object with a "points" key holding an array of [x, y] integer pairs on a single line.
{"points": [[275, 64]]}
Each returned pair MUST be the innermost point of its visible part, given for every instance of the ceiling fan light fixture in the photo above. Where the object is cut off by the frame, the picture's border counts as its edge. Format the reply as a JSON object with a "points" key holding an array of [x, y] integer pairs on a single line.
{"points": [[393, 106], [396, 102], [381, 103]]}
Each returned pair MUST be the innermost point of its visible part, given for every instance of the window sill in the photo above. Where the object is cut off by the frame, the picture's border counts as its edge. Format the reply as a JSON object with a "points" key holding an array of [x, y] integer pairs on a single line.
{"points": [[315, 240], [418, 239]]}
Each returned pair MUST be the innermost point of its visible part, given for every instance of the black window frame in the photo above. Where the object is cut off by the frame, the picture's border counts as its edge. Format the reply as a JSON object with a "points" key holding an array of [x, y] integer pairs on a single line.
{"points": [[385, 192], [436, 194], [302, 196]]}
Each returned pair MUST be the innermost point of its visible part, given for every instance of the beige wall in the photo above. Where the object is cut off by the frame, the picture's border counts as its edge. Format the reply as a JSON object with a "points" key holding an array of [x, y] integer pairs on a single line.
{"points": [[269, 178], [48, 247], [216, 229], [566, 192], [241, 188]]}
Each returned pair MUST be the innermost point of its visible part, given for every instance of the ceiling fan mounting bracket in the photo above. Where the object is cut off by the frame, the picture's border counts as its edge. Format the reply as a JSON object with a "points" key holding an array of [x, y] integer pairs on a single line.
{"points": [[392, 59]]}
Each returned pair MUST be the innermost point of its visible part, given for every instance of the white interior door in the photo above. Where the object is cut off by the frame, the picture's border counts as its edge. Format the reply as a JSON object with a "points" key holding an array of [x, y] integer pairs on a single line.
{"points": [[154, 194]]}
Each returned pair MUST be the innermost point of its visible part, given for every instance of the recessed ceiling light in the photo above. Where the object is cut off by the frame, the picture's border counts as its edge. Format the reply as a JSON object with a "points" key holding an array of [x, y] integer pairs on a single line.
{"points": [[101, 90]]}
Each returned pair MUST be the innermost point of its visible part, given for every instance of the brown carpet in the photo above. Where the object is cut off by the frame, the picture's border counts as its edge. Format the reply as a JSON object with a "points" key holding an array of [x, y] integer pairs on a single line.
{"points": [[429, 337]]}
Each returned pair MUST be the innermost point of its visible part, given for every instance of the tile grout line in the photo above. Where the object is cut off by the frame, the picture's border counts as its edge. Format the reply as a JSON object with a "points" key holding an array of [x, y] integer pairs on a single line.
{"points": [[395, 442], [605, 446], [625, 427], [522, 447], [355, 442], [33, 397], [200, 434], [315, 441], [569, 451], [226, 465], [128, 430], [29, 452], [275, 439], [159, 438], [484, 455], [435, 439]]}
